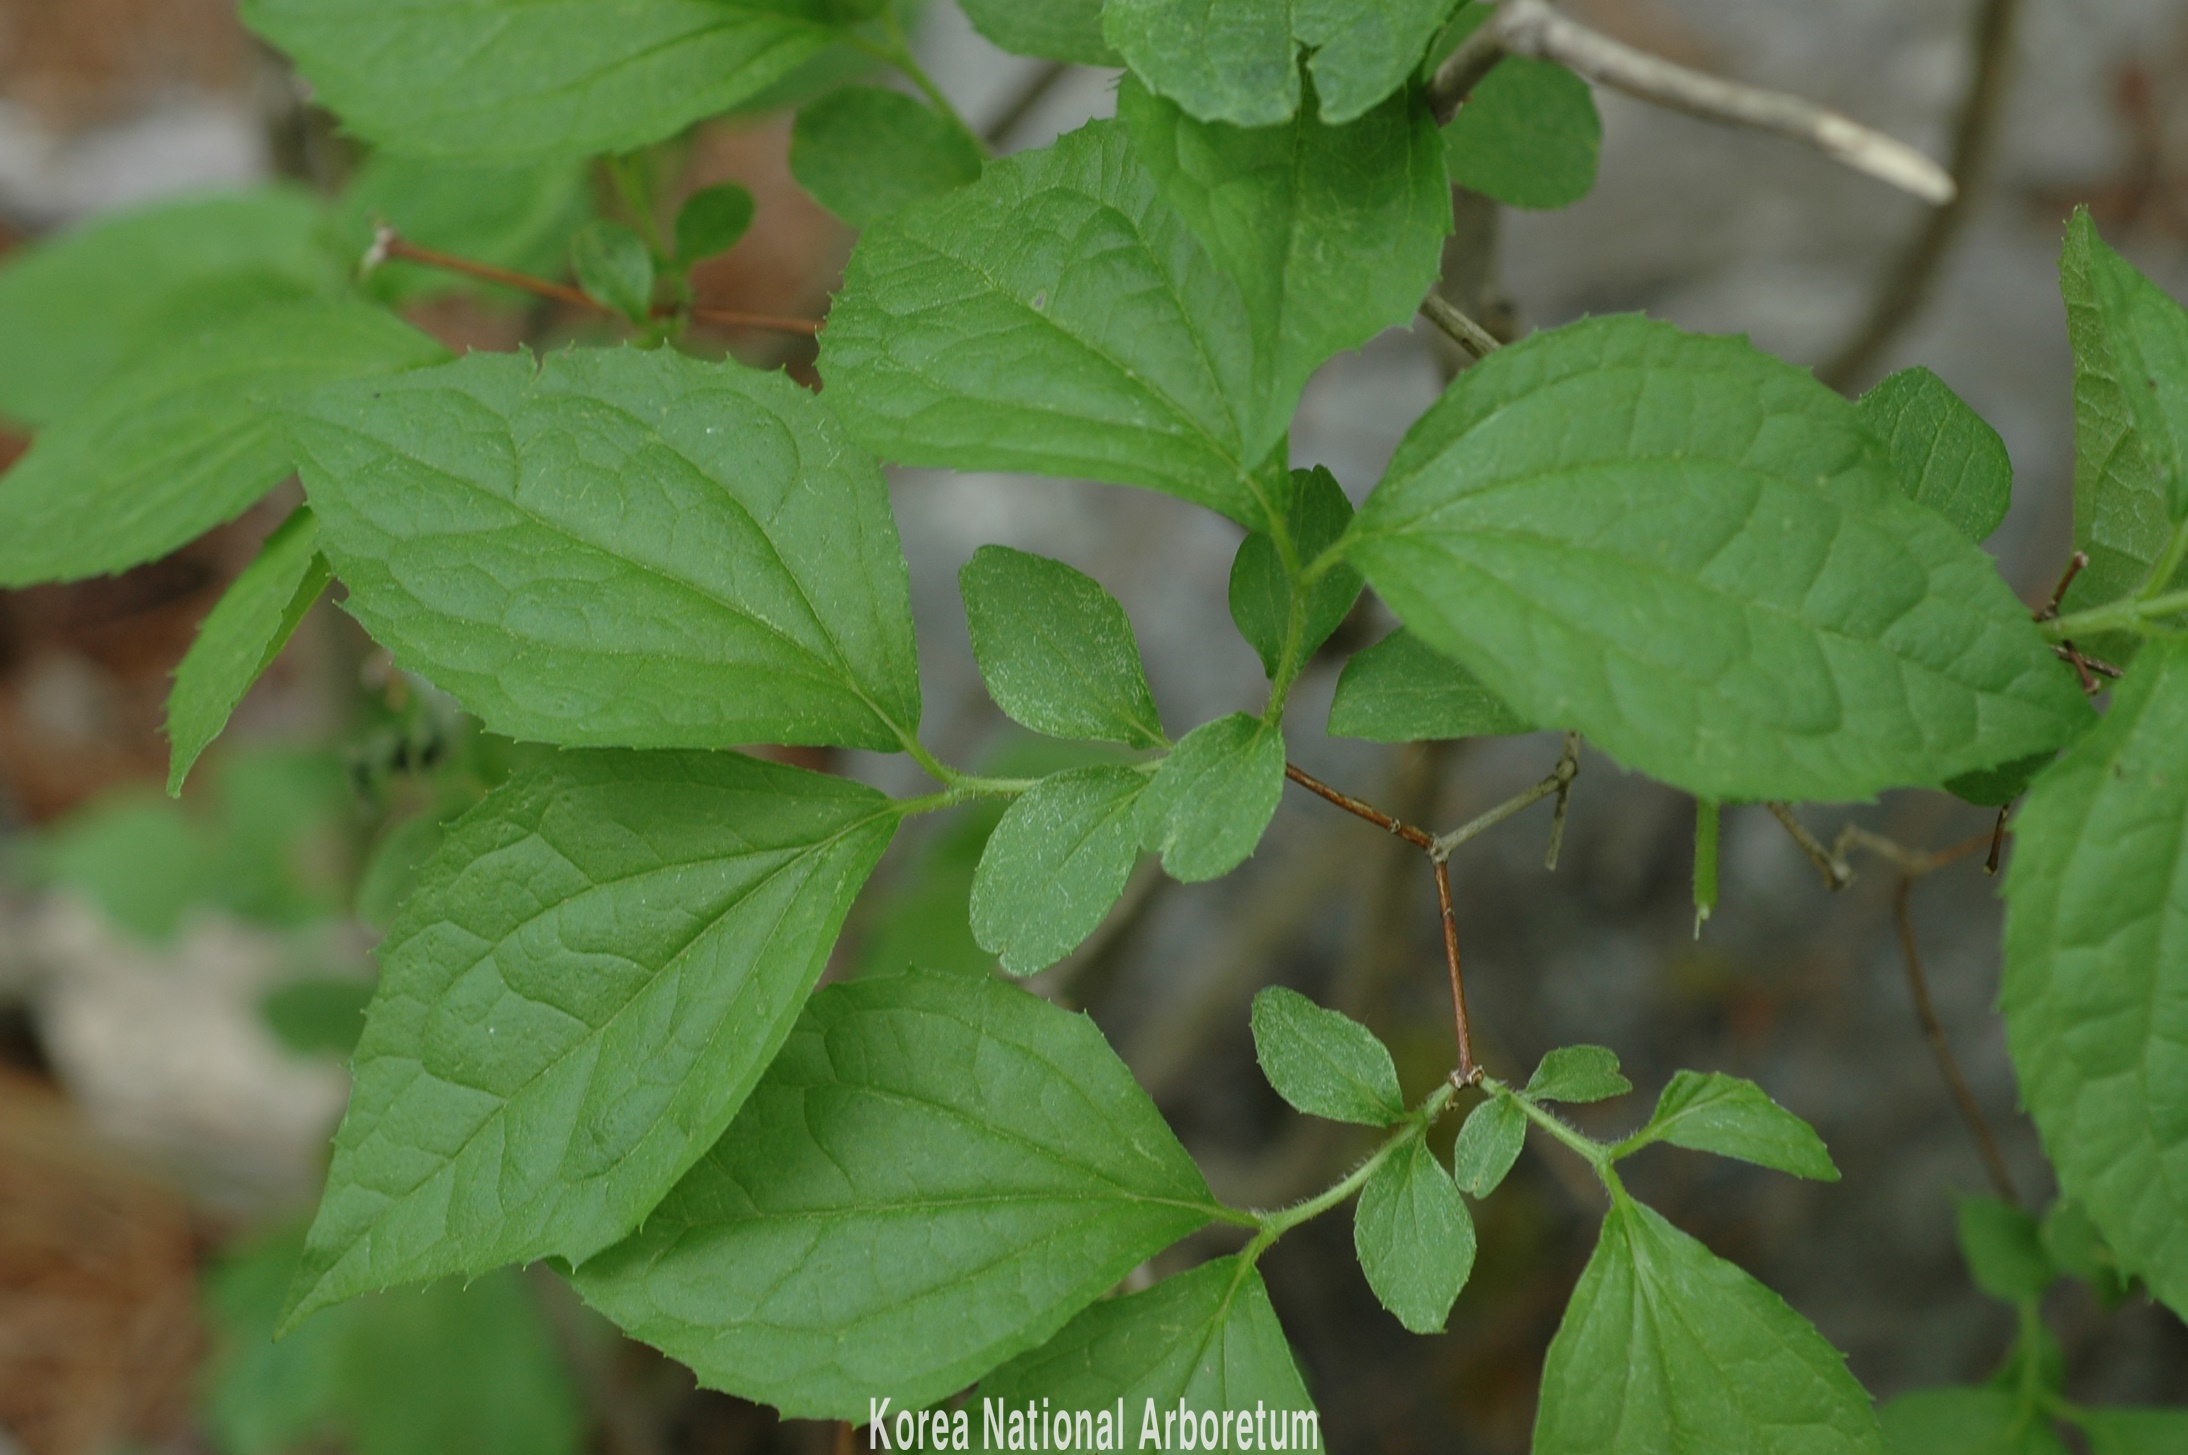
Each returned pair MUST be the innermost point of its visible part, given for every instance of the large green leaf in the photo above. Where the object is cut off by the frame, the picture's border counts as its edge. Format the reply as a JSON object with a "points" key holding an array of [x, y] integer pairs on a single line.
{"points": [[1055, 317], [1204, 1340], [1056, 30], [186, 440], [1402, 691], [1323, 1061], [1236, 60], [864, 152], [1668, 1347], [593, 972], [80, 308], [1945, 454], [2096, 980], [241, 636], [1698, 556], [934, 1176], [1056, 650], [1213, 797], [1414, 1238], [1713, 1112], [1331, 233], [1055, 865], [2130, 419], [480, 80], [619, 548]]}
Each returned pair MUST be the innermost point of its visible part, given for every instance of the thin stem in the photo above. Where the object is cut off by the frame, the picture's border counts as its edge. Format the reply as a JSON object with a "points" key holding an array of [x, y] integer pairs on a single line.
{"points": [[897, 51], [1559, 782], [1468, 1071], [1045, 78], [1994, 1162], [1532, 28], [390, 245], [1460, 329], [1596, 1154], [2129, 614], [1419, 838], [1837, 873]]}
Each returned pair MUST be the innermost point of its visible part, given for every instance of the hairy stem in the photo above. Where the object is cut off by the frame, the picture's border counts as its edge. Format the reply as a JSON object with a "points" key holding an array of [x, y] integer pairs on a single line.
{"points": [[1279, 1221], [2139, 614]]}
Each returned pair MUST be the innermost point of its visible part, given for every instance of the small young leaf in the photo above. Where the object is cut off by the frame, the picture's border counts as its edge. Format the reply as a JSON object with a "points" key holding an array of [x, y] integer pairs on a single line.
{"points": [[1056, 650], [1980, 1421], [1414, 1238], [2004, 1249], [1324, 1062], [1712, 1112], [2095, 976], [1529, 134], [1261, 594], [615, 268], [502, 80], [522, 218], [240, 637], [1330, 233], [934, 1176], [1402, 691], [864, 153], [89, 304], [1055, 865], [2077, 1248], [1086, 335], [592, 974], [1697, 555], [2136, 1431], [1667, 1347], [186, 440], [1054, 30], [2130, 422], [1213, 797], [1578, 1074], [1945, 454], [614, 547], [712, 220], [1489, 1142]]}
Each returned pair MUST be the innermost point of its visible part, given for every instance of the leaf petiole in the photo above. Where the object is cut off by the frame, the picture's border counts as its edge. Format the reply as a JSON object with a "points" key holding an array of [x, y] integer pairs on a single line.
{"points": [[2130, 614], [1279, 1221]]}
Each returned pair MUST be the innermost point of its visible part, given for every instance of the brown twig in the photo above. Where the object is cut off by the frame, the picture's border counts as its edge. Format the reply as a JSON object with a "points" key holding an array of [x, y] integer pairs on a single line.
{"points": [[1994, 1162], [389, 245], [1534, 29], [1916, 269], [1461, 330], [1837, 873], [1036, 89], [1419, 838], [1467, 1072]]}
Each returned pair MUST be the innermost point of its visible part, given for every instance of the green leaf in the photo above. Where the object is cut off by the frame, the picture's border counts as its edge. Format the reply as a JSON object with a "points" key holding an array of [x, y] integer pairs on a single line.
{"points": [[1996, 787], [1489, 1142], [522, 218], [1578, 1074], [1236, 62], [864, 152], [78, 309], [615, 268], [501, 80], [2130, 421], [1330, 233], [1946, 456], [1055, 30], [1055, 317], [2095, 992], [2004, 1249], [1698, 556], [922, 916], [2077, 1248], [1667, 1347], [713, 220], [1983, 1421], [810, 1263], [317, 1017], [135, 856], [240, 638], [1402, 691], [1213, 797], [2136, 1431], [186, 440], [1261, 590], [1414, 1238], [1203, 1340], [1324, 1062], [1056, 651], [594, 971], [1055, 865], [1712, 1112], [615, 547], [1529, 134]]}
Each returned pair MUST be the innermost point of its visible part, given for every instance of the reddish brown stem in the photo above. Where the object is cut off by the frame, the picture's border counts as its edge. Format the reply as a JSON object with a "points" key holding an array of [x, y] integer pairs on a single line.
{"points": [[1419, 838], [1994, 1162], [1467, 1070]]}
